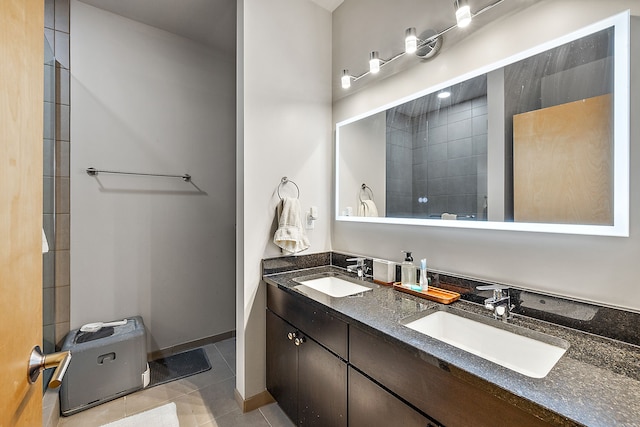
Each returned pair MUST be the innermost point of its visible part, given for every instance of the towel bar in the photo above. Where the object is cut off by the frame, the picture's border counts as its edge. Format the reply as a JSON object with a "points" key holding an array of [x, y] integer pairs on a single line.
{"points": [[93, 172]]}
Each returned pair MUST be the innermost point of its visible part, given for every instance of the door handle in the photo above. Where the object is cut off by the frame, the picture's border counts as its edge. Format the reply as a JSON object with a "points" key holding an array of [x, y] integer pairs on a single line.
{"points": [[39, 361]]}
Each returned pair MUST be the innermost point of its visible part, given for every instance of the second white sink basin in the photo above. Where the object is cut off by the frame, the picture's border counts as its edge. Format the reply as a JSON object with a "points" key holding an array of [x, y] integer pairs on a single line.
{"points": [[528, 356], [333, 286]]}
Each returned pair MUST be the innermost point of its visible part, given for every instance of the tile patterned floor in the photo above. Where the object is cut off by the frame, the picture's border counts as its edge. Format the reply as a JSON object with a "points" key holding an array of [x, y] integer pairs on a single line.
{"points": [[205, 399]]}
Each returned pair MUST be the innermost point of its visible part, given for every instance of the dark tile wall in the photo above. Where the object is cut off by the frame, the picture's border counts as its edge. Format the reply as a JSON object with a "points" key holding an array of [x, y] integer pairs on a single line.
{"points": [[437, 162], [451, 145], [56, 282], [48, 202], [399, 153]]}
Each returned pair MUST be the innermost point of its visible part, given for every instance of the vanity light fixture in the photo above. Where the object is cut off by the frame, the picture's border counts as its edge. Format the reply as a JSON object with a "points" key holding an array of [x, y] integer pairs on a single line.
{"points": [[410, 40], [463, 13], [346, 79], [423, 49], [374, 62]]}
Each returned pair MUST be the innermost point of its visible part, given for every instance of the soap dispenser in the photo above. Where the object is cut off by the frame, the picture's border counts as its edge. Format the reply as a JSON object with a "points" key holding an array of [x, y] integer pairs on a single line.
{"points": [[408, 271]]}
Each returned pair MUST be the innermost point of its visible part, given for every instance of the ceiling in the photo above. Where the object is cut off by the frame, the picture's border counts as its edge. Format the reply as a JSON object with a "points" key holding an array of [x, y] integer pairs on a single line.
{"points": [[330, 5], [464, 91], [210, 22], [359, 26]]}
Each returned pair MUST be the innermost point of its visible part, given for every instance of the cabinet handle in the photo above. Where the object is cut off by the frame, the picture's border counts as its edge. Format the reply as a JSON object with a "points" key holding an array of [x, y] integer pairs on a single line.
{"points": [[299, 341], [292, 335]]}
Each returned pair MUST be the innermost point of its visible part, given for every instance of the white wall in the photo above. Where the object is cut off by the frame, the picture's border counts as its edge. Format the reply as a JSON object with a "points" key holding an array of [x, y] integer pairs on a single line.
{"points": [[284, 120], [145, 100], [601, 269], [363, 154]]}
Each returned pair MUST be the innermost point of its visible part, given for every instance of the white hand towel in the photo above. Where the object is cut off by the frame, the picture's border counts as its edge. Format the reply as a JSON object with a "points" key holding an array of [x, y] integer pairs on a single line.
{"points": [[290, 235], [367, 208], [45, 244]]}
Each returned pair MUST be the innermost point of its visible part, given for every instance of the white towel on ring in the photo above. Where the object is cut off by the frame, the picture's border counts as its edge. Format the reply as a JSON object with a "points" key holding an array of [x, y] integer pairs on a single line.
{"points": [[367, 208], [290, 235]]}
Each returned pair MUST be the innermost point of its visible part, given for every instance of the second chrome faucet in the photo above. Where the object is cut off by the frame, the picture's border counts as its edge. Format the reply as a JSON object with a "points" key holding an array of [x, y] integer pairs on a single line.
{"points": [[499, 303]]}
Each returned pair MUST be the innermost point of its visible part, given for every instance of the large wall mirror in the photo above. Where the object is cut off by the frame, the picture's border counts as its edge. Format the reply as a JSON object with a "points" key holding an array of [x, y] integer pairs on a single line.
{"points": [[538, 142]]}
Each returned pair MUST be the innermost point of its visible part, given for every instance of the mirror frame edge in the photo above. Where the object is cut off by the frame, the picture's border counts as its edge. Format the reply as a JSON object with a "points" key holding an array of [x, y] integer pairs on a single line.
{"points": [[621, 23]]}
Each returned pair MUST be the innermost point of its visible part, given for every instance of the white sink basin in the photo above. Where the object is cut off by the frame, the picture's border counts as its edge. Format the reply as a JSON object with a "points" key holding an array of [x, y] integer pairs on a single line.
{"points": [[332, 286], [528, 356]]}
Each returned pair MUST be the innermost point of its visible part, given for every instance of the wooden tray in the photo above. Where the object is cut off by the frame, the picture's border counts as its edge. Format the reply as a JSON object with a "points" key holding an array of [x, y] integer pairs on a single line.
{"points": [[380, 282], [434, 294]]}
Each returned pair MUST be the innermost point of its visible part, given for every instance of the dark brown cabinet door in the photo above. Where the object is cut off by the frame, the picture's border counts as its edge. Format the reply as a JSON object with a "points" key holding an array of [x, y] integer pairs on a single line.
{"points": [[372, 406], [322, 387], [308, 382], [433, 390], [324, 328], [282, 365]]}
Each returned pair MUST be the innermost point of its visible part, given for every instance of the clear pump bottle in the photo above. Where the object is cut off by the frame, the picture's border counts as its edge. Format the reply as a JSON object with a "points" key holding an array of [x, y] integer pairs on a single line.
{"points": [[408, 270]]}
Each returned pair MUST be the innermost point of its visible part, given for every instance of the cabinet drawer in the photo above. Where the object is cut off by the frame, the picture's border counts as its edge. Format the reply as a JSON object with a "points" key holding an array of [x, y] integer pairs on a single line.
{"points": [[332, 333], [431, 388], [372, 406]]}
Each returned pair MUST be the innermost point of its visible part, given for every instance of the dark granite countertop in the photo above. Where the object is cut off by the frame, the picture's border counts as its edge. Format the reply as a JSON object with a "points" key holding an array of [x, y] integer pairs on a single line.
{"points": [[595, 383]]}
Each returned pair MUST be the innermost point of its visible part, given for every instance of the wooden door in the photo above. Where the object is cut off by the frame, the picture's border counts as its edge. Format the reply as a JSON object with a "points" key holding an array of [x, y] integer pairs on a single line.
{"points": [[21, 120], [562, 163]]}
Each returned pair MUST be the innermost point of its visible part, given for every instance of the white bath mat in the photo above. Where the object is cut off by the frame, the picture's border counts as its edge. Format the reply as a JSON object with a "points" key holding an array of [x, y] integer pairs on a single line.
{"points": [[162, 416]]}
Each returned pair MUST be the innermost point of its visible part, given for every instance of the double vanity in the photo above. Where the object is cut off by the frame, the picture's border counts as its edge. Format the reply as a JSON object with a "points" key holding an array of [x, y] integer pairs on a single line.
{"points": [[345, 351], [342, 351]]}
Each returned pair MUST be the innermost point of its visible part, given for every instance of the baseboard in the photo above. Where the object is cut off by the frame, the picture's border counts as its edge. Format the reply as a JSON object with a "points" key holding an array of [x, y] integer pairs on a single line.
{"points": [[190, 345], [254, 402], [50, 408]]}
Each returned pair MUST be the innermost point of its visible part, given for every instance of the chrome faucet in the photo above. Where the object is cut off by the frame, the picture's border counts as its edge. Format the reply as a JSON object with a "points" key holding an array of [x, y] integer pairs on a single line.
{"points": [[500, 303], [360, 267]]}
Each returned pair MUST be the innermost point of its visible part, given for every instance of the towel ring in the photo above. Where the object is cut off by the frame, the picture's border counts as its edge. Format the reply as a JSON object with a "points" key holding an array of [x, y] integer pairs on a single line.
{"points": [[363, 190], [285, 181]]}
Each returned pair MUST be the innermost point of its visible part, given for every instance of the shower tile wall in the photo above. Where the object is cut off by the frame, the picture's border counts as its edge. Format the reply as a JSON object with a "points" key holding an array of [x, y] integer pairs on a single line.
{"points": [[56, 220], [48, 202], [452, 147], [399, 192], [437, 162]]}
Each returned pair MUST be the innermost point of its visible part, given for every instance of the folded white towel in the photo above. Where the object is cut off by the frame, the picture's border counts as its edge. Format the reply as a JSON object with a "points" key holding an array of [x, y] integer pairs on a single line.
{"points": [[45, 244], [367, 208], [449, 216], [290, 235]]}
